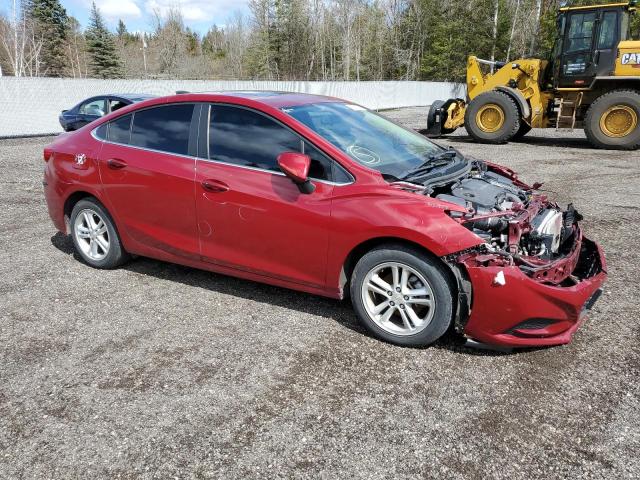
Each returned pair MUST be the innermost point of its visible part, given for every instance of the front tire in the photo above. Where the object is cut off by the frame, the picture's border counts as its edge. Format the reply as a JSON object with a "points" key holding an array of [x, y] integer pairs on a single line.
{"points": [[492, 117], [94, 235], [402, 295], [612, 120]]}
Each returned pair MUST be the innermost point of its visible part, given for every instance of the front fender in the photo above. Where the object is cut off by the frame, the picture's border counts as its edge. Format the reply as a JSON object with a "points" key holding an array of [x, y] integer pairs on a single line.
{"points": [[422, 222]]}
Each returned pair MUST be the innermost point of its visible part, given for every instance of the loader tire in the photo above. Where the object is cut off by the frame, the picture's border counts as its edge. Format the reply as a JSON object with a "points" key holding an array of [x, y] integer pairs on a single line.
{"points": [[492, 117], [612, 120]]}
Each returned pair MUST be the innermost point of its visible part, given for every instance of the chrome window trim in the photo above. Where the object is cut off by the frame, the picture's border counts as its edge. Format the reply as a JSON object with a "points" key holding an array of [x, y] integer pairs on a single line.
{"points": [[191, 157]]}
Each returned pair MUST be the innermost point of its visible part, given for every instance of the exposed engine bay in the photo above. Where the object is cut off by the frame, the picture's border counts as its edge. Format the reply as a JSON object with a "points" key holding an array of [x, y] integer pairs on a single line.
{"points": [[519, 225], [494, 200]]}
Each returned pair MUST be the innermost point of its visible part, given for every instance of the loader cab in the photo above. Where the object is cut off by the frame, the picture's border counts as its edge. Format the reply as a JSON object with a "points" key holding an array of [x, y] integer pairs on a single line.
{"points": [[587, 43]]}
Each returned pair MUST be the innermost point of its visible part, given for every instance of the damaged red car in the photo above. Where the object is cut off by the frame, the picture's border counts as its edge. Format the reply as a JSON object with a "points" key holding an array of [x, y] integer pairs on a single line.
{"points": [[321, 195]]}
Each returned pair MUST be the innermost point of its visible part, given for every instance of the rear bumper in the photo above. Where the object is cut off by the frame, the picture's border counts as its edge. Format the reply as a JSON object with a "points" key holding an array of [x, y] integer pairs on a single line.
{"points": [[522, 312], [53, 194]]}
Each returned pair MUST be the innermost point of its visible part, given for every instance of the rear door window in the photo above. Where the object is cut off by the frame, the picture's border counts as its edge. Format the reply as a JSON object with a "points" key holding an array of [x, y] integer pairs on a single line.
{"points": [[165, 128], [115, 104], [95, 108]]}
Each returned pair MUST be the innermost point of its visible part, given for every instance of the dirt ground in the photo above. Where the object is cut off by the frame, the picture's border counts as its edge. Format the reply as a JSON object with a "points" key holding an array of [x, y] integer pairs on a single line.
{"points": [[161, 371]]}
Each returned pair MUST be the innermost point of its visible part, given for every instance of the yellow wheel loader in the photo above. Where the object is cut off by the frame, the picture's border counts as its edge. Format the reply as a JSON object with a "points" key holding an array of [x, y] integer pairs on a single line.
{"points": [[592, 81]]}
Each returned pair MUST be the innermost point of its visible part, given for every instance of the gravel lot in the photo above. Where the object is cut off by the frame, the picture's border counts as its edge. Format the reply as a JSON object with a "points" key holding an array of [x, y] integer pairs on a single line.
{"points": [[162, 371]]}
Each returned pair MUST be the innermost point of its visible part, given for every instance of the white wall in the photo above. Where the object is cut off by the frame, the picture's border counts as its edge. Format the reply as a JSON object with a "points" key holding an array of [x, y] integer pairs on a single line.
{"points": [[30, 106]]}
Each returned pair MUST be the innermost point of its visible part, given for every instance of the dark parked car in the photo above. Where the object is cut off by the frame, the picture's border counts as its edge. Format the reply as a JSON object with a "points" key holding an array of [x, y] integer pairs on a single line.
{"points": [[95, 107]]}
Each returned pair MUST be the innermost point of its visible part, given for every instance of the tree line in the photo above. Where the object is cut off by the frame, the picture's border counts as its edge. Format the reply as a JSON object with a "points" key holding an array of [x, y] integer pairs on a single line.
{"points": [[282, 40]]}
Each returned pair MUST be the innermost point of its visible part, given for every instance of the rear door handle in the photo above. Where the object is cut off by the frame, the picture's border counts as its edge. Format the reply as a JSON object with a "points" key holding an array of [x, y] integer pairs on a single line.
{"points": [[116, 164], [214, 186]]}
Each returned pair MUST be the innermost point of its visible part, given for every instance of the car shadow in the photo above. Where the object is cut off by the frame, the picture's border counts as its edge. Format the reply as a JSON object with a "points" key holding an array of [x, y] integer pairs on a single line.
{"points": [[338, 311]]}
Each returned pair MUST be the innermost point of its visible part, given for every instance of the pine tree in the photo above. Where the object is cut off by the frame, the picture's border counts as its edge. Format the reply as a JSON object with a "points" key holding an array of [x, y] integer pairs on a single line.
{"points": [[122, 29], [50, 23], [104, 60]]}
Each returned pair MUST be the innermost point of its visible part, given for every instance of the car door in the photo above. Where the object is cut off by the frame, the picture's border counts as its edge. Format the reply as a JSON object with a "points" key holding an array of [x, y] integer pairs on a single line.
{"points": [[577, 66], [90, 111], [147, 174], [607, 43], [250, 216]]}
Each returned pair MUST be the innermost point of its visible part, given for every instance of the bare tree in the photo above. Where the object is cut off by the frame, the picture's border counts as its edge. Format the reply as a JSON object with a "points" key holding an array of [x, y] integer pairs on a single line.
{"points": [[170, 39], [20, 44], [236, 45], [76, 53]]}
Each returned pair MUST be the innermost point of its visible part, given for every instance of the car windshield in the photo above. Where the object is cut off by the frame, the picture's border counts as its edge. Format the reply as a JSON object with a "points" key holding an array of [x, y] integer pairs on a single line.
{"points": [[367, 137]]}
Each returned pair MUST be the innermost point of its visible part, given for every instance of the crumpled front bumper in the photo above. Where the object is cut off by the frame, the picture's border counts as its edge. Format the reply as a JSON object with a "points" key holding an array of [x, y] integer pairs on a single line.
{"points": [[517, 311]]}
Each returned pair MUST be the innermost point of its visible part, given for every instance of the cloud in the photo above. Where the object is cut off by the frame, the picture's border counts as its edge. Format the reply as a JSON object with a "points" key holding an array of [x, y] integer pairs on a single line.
{"points": [[114, 9], [196, 10]]}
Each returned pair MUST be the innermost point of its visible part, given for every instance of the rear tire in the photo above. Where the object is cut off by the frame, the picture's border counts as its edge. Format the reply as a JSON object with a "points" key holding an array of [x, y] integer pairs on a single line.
{"points": [[492, 117], [94, 235], [612, 120], [417, 300]]}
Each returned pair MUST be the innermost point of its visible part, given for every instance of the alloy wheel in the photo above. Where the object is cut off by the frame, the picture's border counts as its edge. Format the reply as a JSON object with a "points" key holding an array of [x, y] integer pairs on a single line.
{"points": [[398, 298], [91, 234]]}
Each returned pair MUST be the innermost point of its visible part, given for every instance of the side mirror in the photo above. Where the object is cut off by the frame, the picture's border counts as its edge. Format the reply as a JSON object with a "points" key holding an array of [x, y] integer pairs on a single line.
{"points": [[296, 166]]}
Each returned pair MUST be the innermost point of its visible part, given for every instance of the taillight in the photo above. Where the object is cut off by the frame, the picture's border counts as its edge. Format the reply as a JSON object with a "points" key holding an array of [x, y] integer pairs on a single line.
{"points": [[47, 154]]}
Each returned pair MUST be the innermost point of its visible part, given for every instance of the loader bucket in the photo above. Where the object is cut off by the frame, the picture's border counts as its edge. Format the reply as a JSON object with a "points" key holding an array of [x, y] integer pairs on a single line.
{"points": [[439, 115]]}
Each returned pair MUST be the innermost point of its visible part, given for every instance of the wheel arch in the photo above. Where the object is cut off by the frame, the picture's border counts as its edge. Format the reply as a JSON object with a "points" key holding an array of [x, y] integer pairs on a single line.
{"points": [[75, 196], [359, 250], [70, 202]]}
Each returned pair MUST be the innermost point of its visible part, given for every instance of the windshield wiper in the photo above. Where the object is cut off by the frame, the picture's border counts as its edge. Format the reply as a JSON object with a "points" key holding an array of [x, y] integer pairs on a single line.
{"points": [[433, 160]]}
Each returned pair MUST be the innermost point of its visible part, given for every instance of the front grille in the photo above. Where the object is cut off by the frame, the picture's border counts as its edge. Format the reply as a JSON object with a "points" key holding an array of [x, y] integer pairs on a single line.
{"points": [[532, 324]]}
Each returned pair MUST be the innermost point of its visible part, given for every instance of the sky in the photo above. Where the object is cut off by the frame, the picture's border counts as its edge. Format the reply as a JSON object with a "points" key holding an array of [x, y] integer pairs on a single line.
{"points": [[199, 15]]}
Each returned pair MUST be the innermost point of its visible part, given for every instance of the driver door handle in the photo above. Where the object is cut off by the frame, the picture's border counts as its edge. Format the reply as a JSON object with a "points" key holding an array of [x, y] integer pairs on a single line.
{"points": [[116, 163], [214, 186]]}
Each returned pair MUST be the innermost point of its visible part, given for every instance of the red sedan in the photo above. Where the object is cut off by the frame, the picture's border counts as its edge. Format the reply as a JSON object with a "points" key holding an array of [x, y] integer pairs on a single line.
{"points": [[324, 196]]}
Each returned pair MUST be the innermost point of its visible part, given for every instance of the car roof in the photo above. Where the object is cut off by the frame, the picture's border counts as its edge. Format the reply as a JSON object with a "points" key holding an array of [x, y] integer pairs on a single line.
{"points": [[272, 98], [255, 99], [131, 96]]}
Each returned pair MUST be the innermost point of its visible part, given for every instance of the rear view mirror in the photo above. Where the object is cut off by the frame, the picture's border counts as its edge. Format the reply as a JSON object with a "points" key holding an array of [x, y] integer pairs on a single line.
{"points": [[296, 166]]}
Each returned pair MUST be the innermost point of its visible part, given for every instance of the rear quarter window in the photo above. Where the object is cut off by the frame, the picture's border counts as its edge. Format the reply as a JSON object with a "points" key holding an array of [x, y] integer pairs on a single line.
{"points": [[119, 130], [101, 131]]}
